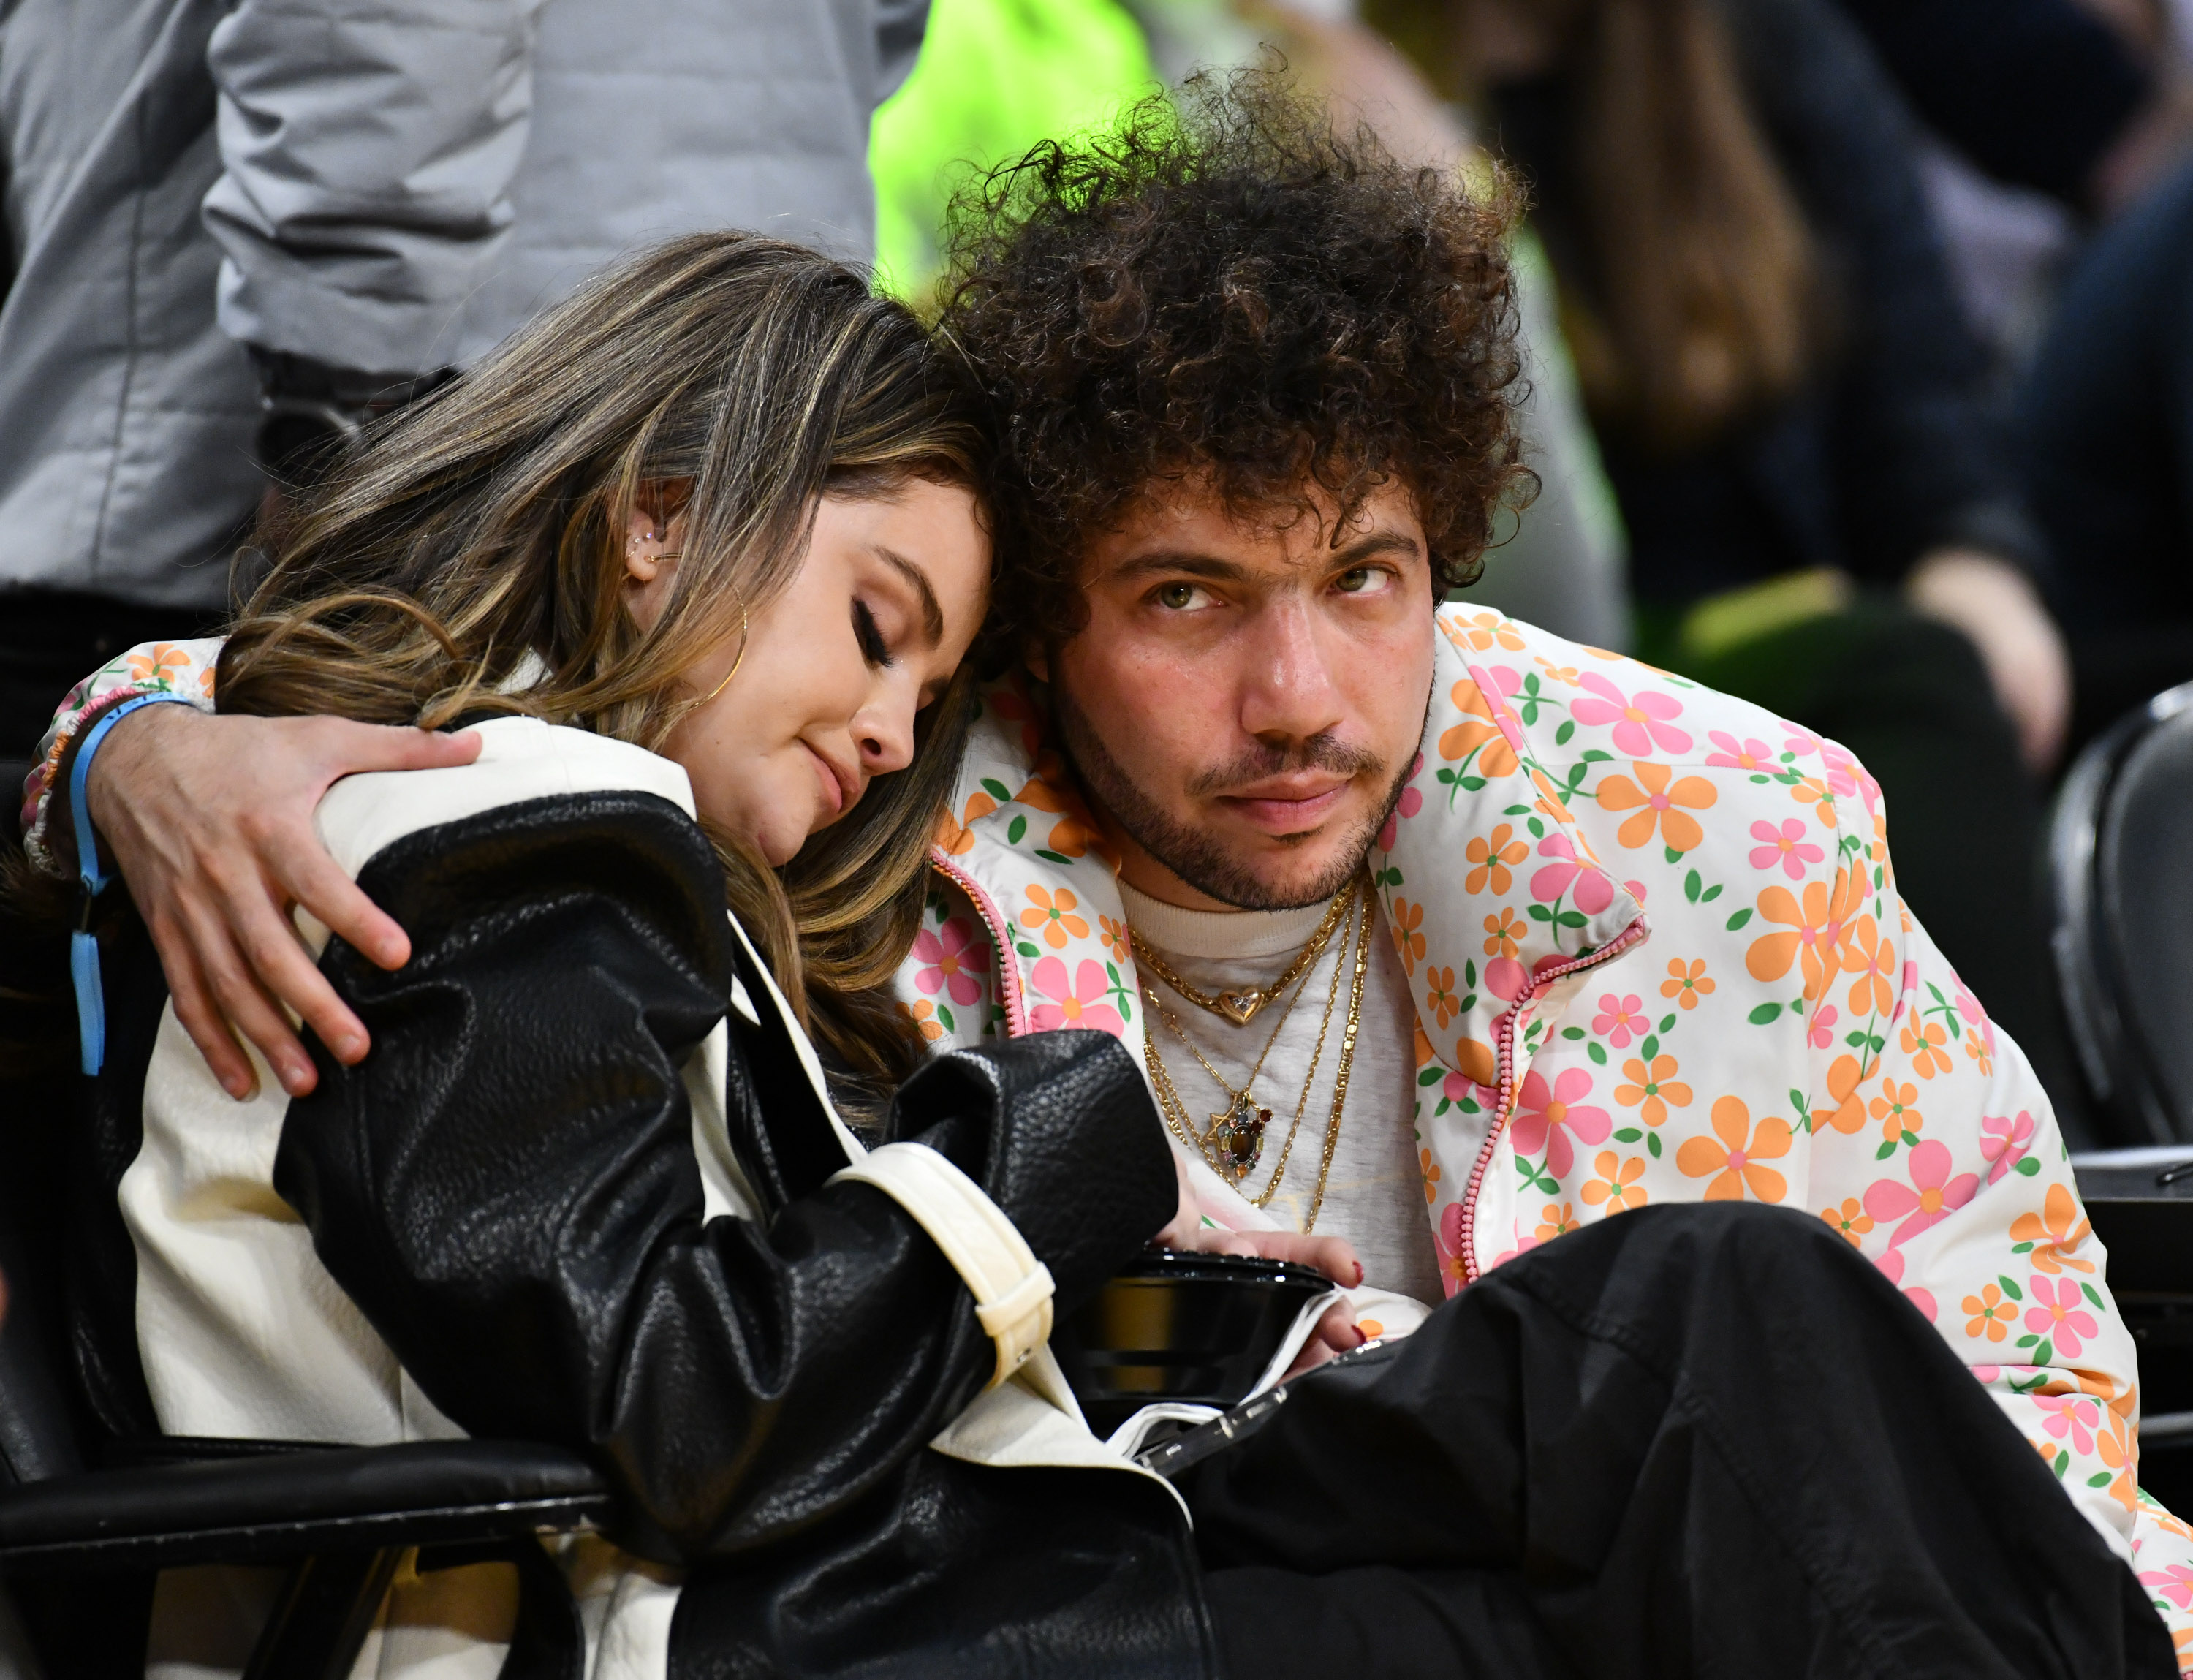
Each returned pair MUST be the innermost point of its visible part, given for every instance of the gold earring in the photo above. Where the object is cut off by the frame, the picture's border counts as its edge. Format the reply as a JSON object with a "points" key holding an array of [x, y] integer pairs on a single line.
{"points": [[741, 659]]}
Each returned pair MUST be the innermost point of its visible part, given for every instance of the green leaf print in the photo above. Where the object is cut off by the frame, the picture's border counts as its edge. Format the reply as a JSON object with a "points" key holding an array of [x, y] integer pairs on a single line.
{"points": [[1571, 1032], [1597, 1051], [1053, 858], [1652, 1145], [944, 1015], [1561, 735], [2093, 1295], [1018, 827], [2028, 1166], [1429, 1075], [1765, 1012], [1710, 894], [1738, 920], [2010, 1288], [1693, 885], [1674, 855], [1667, 1023], [1629, 1134], [997, 790]]}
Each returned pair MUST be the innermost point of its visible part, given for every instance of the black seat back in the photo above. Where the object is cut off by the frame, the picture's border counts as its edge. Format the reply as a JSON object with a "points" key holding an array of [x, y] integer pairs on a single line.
{"points": [[2122, 854], [37, 1434]]}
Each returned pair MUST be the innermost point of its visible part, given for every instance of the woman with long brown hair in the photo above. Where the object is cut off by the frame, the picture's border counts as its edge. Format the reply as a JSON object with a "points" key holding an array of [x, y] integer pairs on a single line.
{"points": [[693, 563]]}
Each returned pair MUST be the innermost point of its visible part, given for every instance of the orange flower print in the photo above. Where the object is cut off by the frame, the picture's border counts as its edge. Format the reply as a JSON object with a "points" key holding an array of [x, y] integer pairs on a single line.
{"points": [[1503, 932], [1616, 1184], [1490, 858], [2121, 1453], [1980, 1047], [1895, 1111], [1814, 932], [1844, 1079], [955, 838], [1733, 1159], [1429, 1170], [1922, 1041], [1114, 935], [1482, 631], [1478, 729], [924, 1016], [160, 667], [1053, 917], [2058, 1230], [1867, 953], [1408, 933], [1656, 803], [1851, 1219], [1564, 674], [1989, 1315], [1445, 1005], [1424, 1050], [1686, 982], [1652, 1089], [1556, 1221], [1815, 792]]}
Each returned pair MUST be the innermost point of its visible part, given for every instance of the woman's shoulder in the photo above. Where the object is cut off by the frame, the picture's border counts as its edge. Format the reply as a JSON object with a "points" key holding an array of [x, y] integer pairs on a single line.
{"points": [[523, 762]]}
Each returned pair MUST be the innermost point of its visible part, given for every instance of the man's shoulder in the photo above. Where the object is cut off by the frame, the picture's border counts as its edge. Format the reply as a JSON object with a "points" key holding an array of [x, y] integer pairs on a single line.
{"points": [[1570, 698]]}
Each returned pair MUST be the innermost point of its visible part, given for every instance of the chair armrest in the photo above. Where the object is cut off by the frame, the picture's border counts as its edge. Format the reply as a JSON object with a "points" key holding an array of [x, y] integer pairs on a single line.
{"points": [[269, 1509]]}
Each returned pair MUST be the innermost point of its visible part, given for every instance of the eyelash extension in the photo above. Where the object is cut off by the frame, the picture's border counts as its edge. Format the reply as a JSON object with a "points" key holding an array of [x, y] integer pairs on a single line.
{"points": [[873, 647]]}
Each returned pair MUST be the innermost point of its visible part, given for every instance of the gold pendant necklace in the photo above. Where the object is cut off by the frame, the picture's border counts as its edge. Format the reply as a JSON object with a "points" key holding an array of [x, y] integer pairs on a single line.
{"points": [[1240, 1006], [1230, 1165]]}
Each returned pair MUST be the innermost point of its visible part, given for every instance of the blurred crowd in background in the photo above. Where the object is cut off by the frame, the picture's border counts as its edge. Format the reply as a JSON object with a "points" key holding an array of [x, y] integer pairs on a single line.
{"points": [[1860, 383]]}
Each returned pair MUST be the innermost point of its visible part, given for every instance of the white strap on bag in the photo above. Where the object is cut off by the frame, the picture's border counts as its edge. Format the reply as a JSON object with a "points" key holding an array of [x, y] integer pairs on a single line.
{"points": [[1012, 1289]]}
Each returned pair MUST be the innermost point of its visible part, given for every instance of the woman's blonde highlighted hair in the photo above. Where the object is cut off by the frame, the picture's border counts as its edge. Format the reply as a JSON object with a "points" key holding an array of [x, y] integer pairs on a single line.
{"points": [[740, 379]]}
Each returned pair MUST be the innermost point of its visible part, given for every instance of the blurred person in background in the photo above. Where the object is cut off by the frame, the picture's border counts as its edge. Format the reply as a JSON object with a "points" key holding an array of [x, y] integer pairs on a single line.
{"points": [[1822, 516], [236, 229], [996, 76], [2106, 418]]}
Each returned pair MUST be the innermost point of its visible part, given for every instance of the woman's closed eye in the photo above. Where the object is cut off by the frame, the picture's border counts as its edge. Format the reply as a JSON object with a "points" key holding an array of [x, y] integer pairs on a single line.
{"points": [[873, 647]]}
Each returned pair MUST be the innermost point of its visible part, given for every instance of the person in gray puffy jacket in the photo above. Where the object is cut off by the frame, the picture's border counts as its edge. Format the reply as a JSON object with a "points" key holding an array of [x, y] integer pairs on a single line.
{"points": [[355, 197]]}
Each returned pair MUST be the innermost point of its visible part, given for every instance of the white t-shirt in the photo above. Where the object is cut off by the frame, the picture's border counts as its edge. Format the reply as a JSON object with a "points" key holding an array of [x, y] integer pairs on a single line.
{"points": [[1374, 1196]]}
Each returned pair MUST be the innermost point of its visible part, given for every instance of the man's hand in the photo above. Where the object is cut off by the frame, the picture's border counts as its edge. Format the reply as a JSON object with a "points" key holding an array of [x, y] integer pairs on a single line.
{"points": [[211, 820], [1992, 603], [1334, 1256]]}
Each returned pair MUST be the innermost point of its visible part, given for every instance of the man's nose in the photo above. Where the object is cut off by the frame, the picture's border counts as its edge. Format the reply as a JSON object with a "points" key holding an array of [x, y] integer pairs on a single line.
{"points": [[1289, 693]]}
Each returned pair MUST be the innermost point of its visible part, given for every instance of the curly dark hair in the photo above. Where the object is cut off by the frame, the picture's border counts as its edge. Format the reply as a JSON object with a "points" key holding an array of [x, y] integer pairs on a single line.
{"points": [[1224, 284]]}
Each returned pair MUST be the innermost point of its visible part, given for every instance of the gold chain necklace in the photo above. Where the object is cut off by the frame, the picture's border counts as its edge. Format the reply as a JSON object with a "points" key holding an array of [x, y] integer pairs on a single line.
{"points": [[1234, 1140], [1241, 1007], [1176, 1111]]}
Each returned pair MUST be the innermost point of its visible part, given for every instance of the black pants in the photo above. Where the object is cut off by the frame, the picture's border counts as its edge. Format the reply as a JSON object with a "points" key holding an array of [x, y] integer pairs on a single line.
{"points": [[1703, 1440]]}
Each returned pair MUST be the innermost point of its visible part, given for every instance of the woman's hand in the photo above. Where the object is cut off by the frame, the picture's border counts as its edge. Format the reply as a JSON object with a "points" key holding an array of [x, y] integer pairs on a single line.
{"points": [[211, 820], [1334, 1256], [1992, 603]]}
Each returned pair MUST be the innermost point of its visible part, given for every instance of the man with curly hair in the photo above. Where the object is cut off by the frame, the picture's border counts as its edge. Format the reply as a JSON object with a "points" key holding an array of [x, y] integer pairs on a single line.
{"points": [[1364, 880]]}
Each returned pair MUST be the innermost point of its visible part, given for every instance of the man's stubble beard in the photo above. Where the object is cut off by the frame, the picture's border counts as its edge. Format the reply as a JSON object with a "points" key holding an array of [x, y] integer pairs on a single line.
{"points": [[1197, 858]]}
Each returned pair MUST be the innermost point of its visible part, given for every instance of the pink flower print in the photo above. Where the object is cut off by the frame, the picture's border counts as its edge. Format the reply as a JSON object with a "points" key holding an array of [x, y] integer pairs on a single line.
{"points": [[1801, 742], [2072, 1417], [1789, 847], [1506, 979], [1929, 1198], [1839, 768], [1821, 1035], [1924, 1300], [2174, 1581], [1544, 1118], [1411, 802], [1593, 890], [1735, 755], [952, 956], [1641, 721], [1617, 1021], [1081, 1005], [2004, 1141], [2060, 1312]]}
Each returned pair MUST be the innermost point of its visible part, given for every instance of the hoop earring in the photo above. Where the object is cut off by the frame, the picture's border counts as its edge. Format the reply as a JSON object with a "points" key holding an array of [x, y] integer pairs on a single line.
{"points": [[741, 659]]}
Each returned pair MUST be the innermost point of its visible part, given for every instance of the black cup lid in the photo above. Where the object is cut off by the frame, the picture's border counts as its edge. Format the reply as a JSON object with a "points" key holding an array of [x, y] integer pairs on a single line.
{"points": [[1172, 1263]]}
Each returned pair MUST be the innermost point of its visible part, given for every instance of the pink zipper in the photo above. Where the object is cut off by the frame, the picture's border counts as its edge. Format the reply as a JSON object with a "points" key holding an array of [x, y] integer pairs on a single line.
{"points": [[1614, 947], [1009, 973]]}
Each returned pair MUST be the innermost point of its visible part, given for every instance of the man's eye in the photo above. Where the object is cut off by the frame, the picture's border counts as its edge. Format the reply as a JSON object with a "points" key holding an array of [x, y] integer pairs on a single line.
{"points": [[1359, 581], [1180, 597]]}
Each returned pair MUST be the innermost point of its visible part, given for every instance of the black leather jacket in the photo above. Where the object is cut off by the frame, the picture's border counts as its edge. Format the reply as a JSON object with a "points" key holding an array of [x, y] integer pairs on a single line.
{"points": [[507, 1187]]}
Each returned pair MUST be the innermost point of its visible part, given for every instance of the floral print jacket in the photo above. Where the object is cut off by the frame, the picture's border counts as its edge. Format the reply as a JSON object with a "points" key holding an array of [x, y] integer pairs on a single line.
{"points": [[1657, 954]]}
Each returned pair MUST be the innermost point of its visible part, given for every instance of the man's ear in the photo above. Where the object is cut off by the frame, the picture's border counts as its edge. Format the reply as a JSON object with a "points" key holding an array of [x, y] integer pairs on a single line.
{"points": [[1037, 658]]}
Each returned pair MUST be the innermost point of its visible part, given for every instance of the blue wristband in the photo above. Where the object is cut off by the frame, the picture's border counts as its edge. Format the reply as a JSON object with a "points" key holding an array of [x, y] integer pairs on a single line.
{"points": [[83, 944]]}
